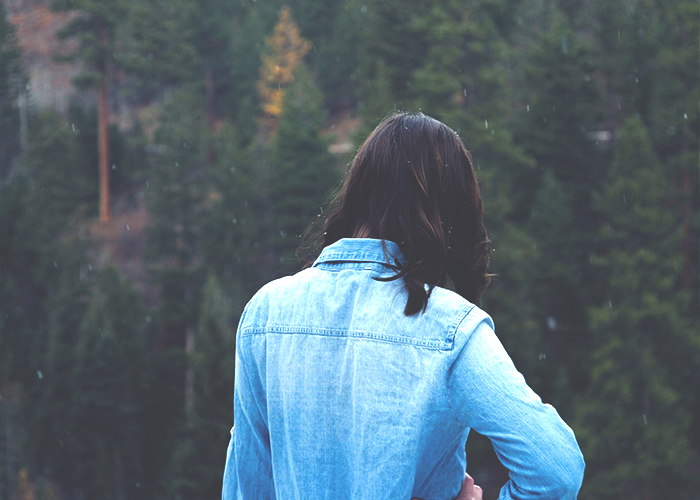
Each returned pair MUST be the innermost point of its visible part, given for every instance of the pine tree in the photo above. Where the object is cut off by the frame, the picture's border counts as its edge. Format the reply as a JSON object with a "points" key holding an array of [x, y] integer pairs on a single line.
{"points": [[95, 29], [48, 393], [36, 207], [185, 43], [634, 419], [158, 43], [175, 198], [388, 34], [11, 82], [629, 36], [336, 57], [378, 102], [301, 171], [674, 124], [196, 469], [106, 385], [562, 107], [235, 223]]}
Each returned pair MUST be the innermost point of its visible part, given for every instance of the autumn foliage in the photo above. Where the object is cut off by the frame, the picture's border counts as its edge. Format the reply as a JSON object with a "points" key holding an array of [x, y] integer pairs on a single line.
{"points": [[286, 50]]}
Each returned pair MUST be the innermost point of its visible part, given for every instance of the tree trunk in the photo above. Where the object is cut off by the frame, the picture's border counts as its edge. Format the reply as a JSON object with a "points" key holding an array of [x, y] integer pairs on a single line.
{"points": [[103, 146]]}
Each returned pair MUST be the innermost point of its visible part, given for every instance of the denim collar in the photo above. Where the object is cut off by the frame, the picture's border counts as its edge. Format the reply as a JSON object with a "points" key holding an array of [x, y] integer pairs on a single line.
{"points": [[360, 250]]}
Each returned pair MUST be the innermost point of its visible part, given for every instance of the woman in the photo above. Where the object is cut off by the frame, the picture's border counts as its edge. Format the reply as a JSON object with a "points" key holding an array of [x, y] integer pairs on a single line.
{"points": [[360, 377]]}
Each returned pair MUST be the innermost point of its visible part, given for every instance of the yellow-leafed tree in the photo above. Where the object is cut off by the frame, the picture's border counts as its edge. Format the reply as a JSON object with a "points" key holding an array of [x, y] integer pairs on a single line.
{"points": [[285, 51]]}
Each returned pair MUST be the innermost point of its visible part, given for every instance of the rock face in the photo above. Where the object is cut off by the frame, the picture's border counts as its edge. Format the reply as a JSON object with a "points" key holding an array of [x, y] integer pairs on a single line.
{"points": [[50, 85]]}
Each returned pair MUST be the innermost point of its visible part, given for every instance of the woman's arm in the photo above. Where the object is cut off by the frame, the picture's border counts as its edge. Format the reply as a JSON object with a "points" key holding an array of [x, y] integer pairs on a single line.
{"points": [[248, 471], [490, 396]]}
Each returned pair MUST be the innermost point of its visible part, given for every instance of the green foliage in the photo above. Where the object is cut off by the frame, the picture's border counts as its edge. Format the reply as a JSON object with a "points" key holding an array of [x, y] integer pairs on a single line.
{"points": [[158, 41], [248, 38], [557, 107], [11, 81], [234, 231], [175, 181], [337, 53], [389, 36], [633, 419], [378, 101], [95, 30], [196, 470], [562, 106], [175, 198], [594, 241], [301, 169], [107, 392]]}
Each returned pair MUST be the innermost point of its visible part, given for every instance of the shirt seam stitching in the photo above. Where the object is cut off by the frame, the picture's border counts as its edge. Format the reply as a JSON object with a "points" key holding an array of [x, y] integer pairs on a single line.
{"points": [[436, 344]]}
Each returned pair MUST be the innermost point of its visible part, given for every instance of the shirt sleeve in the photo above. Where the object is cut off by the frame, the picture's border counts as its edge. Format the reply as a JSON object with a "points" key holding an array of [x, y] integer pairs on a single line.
{"points": [[490, 396], [248, 471]]}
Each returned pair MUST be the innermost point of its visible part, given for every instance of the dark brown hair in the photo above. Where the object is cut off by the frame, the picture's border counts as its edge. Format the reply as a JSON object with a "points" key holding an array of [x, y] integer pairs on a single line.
{"points": [[413, 183]]}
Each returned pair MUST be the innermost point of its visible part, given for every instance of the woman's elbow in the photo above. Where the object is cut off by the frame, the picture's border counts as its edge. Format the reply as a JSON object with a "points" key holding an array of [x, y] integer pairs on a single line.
{"points": [[568, 476]]}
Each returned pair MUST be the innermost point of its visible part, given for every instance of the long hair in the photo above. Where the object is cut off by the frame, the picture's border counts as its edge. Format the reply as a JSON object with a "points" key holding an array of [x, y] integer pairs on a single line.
{"points": [[413, 183]]}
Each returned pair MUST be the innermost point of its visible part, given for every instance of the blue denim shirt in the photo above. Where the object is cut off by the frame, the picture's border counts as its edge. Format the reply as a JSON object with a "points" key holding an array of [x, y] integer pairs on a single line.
{"points": [[339, 395]]}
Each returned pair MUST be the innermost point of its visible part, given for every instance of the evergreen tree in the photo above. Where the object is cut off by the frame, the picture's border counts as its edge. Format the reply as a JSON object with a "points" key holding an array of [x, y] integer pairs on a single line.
{"points": [[176, 198], [188, 43], [11, 82], [43, 291], [36, 207], [674, 124], [301, 171], [634, 419], [379, 101], [562, 105], [389, 35], [106, 386], [158, 43], [197, 465], [553, 198], [175, 195], [629, 38], [49, 392], [235, 222], [336, 56], [95, 29], [243, 100]]}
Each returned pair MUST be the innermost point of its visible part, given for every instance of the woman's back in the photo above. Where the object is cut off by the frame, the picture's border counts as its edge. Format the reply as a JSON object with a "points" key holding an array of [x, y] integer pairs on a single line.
{"points": [[340, 394]]}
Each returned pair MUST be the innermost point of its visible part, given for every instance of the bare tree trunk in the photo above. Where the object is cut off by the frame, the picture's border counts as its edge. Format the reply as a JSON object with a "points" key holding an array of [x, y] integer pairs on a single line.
{"points": [[103, 146]]}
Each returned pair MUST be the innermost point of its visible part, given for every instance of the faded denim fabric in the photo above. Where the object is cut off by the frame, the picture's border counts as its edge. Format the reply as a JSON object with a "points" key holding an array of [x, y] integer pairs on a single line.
{"points": [[341, 396]]}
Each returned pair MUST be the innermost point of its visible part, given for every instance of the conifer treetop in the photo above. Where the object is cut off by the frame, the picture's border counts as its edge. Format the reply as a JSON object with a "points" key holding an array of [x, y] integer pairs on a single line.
{"points": [[286, 50]]}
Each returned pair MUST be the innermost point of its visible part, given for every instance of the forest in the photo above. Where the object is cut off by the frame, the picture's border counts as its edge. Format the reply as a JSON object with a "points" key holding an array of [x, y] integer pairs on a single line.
{"points": [[128, 248]]}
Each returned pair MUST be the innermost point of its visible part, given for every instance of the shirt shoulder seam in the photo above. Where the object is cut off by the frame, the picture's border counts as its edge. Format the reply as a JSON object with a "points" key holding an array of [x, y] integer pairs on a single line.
{"points": [[457, 324]]}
